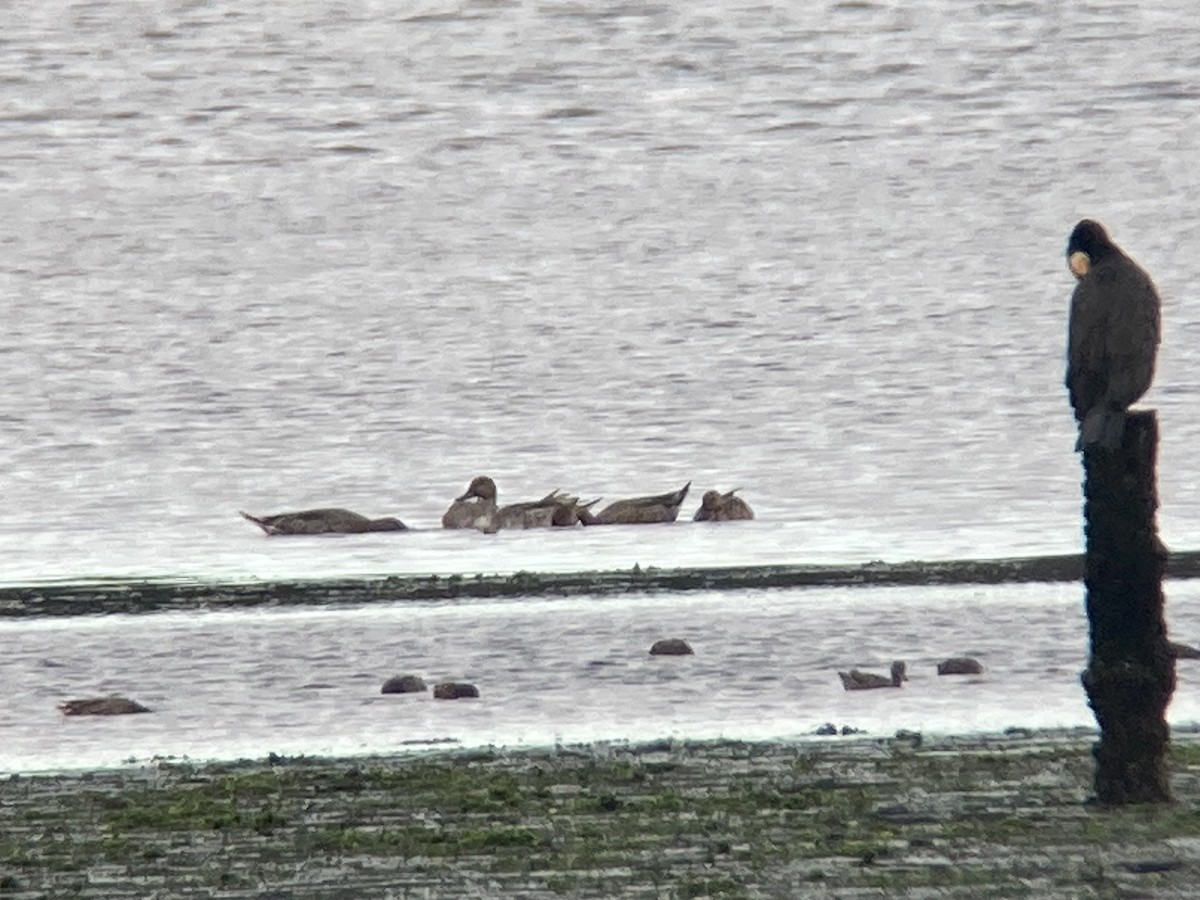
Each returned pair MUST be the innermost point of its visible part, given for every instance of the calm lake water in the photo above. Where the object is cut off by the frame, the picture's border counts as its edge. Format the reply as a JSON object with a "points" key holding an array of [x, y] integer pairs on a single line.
{"points": [[271, 257]]}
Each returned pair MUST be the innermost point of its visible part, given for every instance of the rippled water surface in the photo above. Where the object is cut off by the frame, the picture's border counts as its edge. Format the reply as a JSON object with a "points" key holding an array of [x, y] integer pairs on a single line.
{"points": [[268, 257], [246, 683]]}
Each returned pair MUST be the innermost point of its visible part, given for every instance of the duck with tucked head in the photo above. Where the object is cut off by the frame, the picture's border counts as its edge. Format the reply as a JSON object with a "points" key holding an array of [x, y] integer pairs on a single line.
{"points": [[718, 507], [640, 510], [322, 521], [854, 680], [476, 508], [101, 706]]}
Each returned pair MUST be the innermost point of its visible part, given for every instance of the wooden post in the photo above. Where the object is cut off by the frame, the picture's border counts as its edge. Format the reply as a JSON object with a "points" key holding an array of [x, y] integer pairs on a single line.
{"points": [[1130, 674]]}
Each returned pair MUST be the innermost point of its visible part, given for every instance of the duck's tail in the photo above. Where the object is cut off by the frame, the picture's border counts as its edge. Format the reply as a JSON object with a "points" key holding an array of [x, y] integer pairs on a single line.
{"points": [[676, 499], [261, 523]]}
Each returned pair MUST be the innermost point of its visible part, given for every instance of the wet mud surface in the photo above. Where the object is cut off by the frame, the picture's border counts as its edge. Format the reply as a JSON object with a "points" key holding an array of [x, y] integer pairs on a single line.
{"points": [[1004, 816], [108, 596]]}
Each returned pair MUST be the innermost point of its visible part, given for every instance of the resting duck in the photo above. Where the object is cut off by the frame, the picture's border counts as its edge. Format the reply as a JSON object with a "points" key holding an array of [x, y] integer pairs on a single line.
{"points": [[101, 706], [476, 508], [960, 665], [855, 680], [718, 507], [323, 521], [639, 510]]}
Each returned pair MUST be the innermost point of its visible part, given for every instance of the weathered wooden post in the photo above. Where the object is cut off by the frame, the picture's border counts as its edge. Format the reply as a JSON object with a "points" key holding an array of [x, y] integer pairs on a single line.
{"points": [[1130, 674]]}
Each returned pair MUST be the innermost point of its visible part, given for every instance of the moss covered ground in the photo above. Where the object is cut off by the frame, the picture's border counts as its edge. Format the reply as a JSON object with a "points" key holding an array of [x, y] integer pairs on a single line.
{"points": [[848, 817]]}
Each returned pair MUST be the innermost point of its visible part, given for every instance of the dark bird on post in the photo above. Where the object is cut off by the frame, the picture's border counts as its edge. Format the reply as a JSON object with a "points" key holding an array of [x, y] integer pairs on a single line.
{"points": [[1113, 336]]}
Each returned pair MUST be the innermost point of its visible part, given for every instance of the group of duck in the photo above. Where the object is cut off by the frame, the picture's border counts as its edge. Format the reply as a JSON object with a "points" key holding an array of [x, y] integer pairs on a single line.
{"points": [[477, 508], [856, 680]]}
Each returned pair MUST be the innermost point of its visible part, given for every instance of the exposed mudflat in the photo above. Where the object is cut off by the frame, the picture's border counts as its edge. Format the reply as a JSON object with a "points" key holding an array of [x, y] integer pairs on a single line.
{"points": [[116, 596], [1003, 816]]}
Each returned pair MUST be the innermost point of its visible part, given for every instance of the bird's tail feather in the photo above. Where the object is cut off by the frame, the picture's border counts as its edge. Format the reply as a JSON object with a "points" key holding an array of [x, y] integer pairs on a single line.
{"points": [[257, 521]]}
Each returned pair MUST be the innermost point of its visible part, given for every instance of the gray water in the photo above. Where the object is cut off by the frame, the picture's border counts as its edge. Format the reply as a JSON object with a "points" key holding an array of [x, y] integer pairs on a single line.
{"points": [[242, 684], [268, 257]]}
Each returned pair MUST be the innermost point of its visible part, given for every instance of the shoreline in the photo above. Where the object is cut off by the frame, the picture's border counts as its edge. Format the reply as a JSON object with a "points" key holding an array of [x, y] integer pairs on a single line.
{"points": [[989, 815], [111, 596], [449, 748]]}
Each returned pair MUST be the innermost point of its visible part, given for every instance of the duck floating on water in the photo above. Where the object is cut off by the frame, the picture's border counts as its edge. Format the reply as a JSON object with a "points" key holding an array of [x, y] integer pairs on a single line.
{"points": [[101, 706], [640, 510], [718, 507], [322, 521], [854, 680], [960, 665], [476, 508]]}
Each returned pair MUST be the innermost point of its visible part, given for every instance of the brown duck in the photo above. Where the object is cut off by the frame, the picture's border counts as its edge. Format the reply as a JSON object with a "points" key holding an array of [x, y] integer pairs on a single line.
{"points": [[960, 665], [639, 510], [101, 706], [854, 680], [718, 507], [322, 521], [476, 508]]}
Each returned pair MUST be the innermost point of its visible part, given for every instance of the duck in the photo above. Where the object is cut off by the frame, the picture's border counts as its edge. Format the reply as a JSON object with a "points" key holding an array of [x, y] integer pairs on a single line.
{"points": [[640, 510], [718, 507], [101, 706], [960, 665], [854, 680], [476, 508], [555, 510], [322, 521]]}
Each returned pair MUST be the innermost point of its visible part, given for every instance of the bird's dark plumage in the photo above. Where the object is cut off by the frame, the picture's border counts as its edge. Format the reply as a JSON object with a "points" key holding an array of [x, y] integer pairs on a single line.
{"points": [[323, 521], [718, 507], [640, 510], [1113, 335]]}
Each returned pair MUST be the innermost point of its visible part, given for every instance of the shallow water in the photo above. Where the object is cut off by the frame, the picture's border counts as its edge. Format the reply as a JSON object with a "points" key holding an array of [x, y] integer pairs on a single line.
{"points": [[243, 684], [271, 258], [266, 258]]}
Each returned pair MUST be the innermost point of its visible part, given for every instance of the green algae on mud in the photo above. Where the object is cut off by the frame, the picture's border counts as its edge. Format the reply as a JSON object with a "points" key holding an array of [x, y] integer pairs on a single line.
{"points": [[980, 817], [150, 595]]}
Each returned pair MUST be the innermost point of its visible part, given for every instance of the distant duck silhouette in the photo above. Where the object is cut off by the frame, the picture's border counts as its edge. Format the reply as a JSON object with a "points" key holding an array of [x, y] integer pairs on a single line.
{"points": [[854, 680], [640, 510], [718, 507], [960, 665], [101, 706], [476, 508], [322, 521]]}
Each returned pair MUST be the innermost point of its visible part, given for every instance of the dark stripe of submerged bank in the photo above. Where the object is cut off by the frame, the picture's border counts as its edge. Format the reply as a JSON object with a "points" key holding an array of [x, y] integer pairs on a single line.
{"points": [[146, 596]]}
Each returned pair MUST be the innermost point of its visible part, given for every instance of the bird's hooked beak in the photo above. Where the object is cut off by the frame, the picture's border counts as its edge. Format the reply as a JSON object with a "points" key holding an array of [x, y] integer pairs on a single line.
{"points": [[1079, 263]]}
